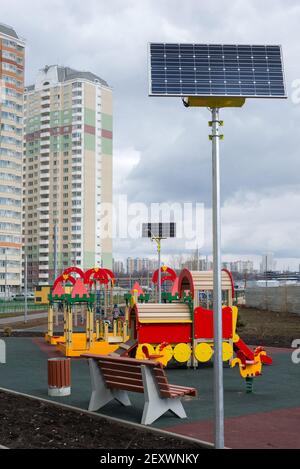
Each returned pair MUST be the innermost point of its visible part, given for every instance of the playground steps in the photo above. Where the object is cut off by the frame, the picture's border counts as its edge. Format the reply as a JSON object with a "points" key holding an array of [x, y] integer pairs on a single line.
{"points": [[126, 347]]}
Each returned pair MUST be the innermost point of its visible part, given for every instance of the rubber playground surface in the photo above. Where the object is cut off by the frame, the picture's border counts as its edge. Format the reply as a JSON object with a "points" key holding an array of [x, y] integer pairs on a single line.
{"points": [[267, 418]]}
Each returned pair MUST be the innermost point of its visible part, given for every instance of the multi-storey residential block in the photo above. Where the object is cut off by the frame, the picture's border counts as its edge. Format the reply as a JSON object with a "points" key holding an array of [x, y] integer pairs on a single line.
{"points": [[11, 128], [118, 267], [268, 262], [67, 172], [138, 264]]}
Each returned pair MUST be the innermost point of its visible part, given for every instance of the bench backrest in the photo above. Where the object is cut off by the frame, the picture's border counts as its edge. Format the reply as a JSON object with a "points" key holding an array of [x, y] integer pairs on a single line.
{"points": [[125, 373]]}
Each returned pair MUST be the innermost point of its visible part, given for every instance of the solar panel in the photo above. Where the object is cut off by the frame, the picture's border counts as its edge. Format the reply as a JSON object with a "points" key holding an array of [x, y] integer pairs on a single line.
{"points": [[251, 71], [159, 230]]}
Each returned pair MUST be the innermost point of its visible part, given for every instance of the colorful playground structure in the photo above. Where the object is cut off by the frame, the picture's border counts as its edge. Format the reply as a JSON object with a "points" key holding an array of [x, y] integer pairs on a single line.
{"points": [[93, 292], [180, 328]]}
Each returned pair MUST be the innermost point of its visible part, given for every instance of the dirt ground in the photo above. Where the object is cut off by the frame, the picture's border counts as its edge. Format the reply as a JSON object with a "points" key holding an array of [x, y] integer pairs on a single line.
{"points": [[15, 315], [22, 325], [28, 423], [268, 327]]}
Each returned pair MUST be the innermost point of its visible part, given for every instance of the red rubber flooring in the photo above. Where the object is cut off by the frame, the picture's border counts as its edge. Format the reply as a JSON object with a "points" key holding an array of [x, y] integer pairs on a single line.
{"points": [[265, 430]]}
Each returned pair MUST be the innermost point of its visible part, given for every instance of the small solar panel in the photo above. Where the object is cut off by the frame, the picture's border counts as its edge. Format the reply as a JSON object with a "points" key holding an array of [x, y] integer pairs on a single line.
{"points": [[251, 71], [159, 230]]}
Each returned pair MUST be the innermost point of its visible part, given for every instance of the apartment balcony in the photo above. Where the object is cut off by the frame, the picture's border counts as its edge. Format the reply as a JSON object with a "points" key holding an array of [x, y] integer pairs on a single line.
{"points": [[43, 259], [43, 275], [44, 241], [44, 191], [45, 102], [43, 250], [76, 170], [45, 134], [45, 93], [45, 125], [44, 151]]}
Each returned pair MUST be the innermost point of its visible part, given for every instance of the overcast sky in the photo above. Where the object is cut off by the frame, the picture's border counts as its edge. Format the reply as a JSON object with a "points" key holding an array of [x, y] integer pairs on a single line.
{"points": [[161, 150]]}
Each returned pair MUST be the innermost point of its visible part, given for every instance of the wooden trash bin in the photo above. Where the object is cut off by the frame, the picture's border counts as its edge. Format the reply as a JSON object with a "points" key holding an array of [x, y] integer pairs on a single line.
{"points": [[59, 377]]}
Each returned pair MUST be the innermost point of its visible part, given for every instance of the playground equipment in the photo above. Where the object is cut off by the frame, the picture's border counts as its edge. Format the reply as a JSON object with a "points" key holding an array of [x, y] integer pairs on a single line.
{"points": [[250, 364], [181, 328], [96, 338], [101, 282], [187, 327], [41, 294], [136, 295], [167, 276]]}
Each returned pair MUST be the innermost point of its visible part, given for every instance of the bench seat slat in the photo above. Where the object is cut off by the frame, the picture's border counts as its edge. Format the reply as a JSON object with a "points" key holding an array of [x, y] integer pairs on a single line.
{"points": [[129, 375], [171, 394], [187, 391], [162, 385], [123, 379], [116, 366], [120, 372], [126, 387], [125, 360]]}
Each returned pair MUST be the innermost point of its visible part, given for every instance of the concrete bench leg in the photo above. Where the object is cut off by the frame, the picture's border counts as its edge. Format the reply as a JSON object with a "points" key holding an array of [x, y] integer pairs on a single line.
{"points": [[101, 395], [155, 405]]}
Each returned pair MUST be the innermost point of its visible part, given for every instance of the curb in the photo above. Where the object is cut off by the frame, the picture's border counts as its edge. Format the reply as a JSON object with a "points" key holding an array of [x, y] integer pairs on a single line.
{"points": [[201, 443]]}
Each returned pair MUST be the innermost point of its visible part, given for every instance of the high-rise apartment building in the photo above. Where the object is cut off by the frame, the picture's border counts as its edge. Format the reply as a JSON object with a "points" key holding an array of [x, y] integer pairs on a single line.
{"points": [[118, 267], [138, 264], [67, 172], [267, 262], [241, 267], [11, 141]]}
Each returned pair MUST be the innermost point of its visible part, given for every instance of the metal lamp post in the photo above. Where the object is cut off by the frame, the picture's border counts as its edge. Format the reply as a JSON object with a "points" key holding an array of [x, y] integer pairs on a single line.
{"points": [[158, 244], [217, 291]]}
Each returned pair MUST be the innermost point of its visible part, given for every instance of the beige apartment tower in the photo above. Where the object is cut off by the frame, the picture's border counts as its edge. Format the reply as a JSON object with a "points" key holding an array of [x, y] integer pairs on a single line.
{"points": [[67, 172], [11, 141]]}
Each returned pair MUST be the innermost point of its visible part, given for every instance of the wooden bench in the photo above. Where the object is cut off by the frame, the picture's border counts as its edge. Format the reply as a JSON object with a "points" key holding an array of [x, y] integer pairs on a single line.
{"points": [[112, 377]]}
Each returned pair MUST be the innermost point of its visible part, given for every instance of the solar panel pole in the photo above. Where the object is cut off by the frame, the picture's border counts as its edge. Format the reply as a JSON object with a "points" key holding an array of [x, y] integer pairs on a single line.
{"points": [[217, 291], [157, 239], [159, 271]]}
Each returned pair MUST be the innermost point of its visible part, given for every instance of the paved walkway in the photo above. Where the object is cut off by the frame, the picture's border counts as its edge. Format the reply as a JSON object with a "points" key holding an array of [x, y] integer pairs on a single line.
{"points": [[30, 317]]}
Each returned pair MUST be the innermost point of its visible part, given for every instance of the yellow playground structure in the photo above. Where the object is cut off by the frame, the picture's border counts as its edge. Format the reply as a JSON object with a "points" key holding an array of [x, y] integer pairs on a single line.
{"points": [[96, 337]]}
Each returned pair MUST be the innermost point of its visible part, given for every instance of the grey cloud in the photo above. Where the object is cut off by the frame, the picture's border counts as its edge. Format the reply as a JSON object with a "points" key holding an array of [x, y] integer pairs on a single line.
{"points": [[260, 150]]}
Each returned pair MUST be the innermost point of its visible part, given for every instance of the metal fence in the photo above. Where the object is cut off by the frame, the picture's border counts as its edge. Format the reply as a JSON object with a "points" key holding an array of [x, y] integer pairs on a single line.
{"points": [[285, 298], [18, 307]]}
